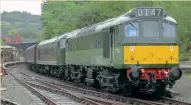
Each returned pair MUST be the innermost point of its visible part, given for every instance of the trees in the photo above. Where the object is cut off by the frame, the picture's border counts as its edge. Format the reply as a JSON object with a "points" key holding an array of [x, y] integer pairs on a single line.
{"points": [[28, 25]]}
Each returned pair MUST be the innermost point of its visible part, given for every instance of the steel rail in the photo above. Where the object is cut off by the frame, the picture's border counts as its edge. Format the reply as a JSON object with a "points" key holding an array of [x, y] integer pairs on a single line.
{"points": [[34, 91], [100, 94], [97, 94], [174, 102], [76, 96]]}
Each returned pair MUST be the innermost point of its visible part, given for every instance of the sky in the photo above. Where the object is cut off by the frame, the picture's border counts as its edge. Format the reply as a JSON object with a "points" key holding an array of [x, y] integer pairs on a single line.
{"points": [[31, 6]]}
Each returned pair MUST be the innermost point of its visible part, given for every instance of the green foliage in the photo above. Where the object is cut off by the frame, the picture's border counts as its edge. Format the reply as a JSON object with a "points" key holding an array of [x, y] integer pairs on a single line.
{"points": [[19, 16], [2, 42], [25, 33], [64, 16], [28, 25]]}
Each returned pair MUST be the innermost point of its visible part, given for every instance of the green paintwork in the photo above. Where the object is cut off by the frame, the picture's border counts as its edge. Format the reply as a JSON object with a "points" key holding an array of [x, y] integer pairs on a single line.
{"points": [[94, 57], [61, 56], [87, 57], [152, 65], [118, 56], [85, 52]]}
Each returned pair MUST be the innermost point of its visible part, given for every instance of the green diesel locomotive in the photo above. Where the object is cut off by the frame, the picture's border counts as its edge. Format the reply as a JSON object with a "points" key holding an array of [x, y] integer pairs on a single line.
{"points": [[135, 52]]}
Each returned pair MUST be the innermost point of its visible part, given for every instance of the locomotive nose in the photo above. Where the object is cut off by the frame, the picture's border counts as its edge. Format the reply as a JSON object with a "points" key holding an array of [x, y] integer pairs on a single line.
{"points": [[175, 73]]}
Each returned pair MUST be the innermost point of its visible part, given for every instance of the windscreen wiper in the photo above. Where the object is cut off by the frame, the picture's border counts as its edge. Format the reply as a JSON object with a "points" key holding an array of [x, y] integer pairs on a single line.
{"points": [[134, 26]]}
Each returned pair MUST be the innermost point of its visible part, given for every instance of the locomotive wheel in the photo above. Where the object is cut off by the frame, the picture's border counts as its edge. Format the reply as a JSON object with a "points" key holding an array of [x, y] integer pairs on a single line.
{"points": [[100, 82], [61, 75], [82, 79], [130, 91], [168, 94], [85, 83], [160, 91], [157, 94], [97, 84], [65, 74], [69, 77], [127, 91]]}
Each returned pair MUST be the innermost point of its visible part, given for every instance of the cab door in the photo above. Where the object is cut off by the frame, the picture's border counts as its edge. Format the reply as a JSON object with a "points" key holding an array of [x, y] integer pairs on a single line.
{"points": [[58, 53], [108, 45], [112, 42], [62, 51], [62, 55]]}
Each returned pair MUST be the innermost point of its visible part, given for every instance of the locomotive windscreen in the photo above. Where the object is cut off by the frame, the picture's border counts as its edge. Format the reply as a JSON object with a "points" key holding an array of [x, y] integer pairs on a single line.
{"points": [[151, 28]]}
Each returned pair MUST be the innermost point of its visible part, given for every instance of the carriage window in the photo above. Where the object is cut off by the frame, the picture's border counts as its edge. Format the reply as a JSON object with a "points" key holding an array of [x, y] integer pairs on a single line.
{"points": [[39, 53], [132, 30], [62, 43], [58, 44], [150, 29], [69, 46], [169, 30]]}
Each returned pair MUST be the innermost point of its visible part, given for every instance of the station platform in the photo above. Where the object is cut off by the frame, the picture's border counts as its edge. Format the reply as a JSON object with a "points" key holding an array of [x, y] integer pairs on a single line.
{"points": [[16, 93]]}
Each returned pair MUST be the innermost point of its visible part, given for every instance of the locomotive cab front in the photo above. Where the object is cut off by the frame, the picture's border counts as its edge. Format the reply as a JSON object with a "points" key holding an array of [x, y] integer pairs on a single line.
{"points": [[151, 47]]}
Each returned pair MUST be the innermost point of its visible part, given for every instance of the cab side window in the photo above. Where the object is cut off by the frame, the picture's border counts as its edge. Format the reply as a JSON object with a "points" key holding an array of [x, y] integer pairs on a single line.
{"points": [[169, 30], [132, 30]]}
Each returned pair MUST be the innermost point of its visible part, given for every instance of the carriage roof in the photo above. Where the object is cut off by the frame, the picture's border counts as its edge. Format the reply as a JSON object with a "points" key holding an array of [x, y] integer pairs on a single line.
{"points": [[30, 47], [73, 33], [48, 41]]}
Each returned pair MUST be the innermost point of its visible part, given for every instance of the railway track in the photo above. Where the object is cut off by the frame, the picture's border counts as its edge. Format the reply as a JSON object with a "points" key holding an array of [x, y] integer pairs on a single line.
{"points": [[93, 97], [75, 96], [59, 85], [170, 101], [42, 96], [52, 96], [94, 94]]}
